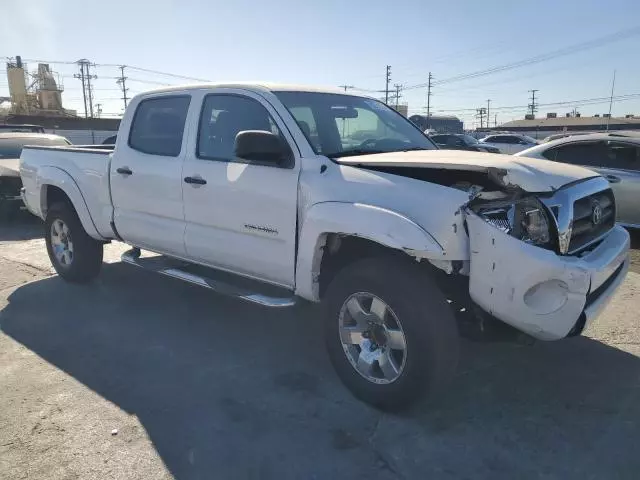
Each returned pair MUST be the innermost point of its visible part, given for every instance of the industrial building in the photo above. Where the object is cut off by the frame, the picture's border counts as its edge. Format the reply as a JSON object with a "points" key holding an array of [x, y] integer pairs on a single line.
{"points": [[551, 124], [439, 123], [36, 98]]}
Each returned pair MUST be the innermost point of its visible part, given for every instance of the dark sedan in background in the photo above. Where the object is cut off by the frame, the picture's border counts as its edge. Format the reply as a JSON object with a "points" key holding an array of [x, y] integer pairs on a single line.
{"points": [[460, 141]]}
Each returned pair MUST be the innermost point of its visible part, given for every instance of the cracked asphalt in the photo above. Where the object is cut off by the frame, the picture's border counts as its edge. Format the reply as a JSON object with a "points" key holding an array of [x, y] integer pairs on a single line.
{"points": [[138, 376]]}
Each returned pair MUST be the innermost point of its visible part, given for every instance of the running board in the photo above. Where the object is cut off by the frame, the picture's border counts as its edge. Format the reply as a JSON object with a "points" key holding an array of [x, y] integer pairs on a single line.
{"points": [[204, 277]]}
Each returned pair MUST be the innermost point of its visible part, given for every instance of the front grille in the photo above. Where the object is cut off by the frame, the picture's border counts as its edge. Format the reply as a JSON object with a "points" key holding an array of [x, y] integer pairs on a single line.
{"points": [[588, 225]]}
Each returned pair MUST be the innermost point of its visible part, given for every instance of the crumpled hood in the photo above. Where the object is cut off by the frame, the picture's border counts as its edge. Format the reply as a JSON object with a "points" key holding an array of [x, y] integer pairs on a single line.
{"points": [[529, 174]]}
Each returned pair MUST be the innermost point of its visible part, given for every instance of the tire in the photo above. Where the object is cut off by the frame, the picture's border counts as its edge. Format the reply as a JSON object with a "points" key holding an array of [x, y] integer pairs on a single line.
{"points": [[84, 263], [415, 303]]}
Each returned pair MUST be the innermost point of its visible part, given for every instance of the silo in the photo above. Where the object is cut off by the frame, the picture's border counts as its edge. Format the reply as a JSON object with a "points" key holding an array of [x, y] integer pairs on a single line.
{"points": [[17, 85]]}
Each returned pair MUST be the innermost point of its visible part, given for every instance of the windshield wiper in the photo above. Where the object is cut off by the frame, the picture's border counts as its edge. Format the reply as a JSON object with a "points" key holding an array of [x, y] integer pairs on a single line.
{"points": [[353, 153], [411, 149]]}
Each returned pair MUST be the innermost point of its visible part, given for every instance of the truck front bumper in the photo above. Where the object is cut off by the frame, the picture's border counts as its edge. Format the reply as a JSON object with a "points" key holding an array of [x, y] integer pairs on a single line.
{"points": [[537, 291]]}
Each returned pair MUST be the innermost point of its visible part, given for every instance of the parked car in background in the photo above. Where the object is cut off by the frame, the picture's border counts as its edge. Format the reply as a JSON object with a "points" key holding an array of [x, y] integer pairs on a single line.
{"points": [[21, 127], [11, 145], [615, 156], [510, 143], [460, 141]]}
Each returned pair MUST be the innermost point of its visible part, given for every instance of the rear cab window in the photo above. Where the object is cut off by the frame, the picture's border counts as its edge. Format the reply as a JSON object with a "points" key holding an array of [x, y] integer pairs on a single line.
{"points": [[158, 125]]}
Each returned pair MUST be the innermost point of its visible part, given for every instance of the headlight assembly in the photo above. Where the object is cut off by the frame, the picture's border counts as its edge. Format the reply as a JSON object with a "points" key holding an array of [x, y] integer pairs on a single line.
{"points": [[525, 219]]}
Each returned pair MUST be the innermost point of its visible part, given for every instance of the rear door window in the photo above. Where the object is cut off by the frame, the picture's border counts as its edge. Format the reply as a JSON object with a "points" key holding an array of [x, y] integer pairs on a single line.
{"points": [[591, 154], [623, 155], [158, 125]]}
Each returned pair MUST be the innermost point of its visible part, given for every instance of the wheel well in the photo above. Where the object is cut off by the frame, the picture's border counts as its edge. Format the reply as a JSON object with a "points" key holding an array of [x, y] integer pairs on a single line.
{"points": [[55, 195], [342, 250]]}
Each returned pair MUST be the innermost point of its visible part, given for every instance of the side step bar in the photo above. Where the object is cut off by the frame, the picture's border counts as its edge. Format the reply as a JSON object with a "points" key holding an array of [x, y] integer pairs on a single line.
{"points": [[163, 266]]}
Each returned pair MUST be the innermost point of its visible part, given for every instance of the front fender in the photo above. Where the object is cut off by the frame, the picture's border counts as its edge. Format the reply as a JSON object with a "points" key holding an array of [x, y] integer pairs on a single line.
{"points": [[386, 227], [56, 177]]}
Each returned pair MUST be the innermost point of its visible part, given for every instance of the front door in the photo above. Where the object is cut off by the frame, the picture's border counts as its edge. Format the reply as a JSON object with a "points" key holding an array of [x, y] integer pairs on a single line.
{"points": [[146, 181], [239, 216]]}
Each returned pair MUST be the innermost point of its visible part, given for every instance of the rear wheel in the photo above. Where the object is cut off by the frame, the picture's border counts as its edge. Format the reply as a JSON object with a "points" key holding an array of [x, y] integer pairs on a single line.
{"points": [[390, 333], [75, 256]]}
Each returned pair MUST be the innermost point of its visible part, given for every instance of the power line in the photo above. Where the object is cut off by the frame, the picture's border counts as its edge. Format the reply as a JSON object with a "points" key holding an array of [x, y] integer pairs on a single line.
{"points": [[584, 101], [347, 87], [614, 37]]}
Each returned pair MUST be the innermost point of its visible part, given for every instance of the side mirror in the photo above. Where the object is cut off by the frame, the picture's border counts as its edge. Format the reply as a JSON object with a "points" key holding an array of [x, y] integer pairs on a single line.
{"points": [[262, 147]]}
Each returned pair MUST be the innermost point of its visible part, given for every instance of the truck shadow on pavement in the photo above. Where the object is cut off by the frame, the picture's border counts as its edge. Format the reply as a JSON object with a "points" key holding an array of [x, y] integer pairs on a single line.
{"points": [[23, 226], [228, 390]]}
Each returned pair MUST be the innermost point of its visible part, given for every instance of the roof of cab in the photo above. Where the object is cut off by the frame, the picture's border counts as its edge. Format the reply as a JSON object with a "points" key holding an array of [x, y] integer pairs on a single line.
{"points": [[256, 86]]}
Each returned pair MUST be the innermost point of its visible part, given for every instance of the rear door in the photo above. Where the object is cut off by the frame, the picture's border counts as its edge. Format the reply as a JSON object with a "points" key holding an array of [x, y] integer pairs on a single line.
{"points": [[607, 158], [240, 216], [146, 175], [622, 168], [503, 142]]}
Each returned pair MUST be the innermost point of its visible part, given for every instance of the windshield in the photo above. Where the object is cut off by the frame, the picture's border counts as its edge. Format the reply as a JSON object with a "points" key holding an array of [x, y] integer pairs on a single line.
{"points": [[469, 140], [342, 125], [12, 147], [529, 139]]}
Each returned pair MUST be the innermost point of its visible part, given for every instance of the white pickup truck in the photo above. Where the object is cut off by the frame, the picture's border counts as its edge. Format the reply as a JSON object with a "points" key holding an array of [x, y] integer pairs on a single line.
{"points": [[272, 193]]}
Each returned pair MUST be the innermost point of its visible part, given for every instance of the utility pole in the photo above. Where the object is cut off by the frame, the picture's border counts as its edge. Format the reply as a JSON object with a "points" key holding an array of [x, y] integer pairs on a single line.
{"points": [[429, 101], [495, 121], [80, 76], [346, 87], [386, 90], [123, 86], [488, 114], [613, 85], [398, 87], [98, 109], [533, 106], [481, 113], [85, 77]]}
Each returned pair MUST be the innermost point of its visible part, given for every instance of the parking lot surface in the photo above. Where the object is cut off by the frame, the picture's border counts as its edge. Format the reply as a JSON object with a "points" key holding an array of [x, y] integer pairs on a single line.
{"points": [[141, 376]]}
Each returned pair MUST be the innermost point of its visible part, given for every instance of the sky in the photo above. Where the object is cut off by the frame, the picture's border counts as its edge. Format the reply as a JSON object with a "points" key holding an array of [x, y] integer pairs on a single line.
{"points": [[350, 42]]}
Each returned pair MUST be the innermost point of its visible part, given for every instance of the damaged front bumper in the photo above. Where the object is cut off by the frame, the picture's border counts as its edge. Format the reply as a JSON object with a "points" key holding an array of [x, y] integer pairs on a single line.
{"points": [[537, 291]]}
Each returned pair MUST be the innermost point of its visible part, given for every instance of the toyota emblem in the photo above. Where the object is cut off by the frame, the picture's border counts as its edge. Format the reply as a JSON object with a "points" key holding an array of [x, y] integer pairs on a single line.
{"points": [[596, 213]]}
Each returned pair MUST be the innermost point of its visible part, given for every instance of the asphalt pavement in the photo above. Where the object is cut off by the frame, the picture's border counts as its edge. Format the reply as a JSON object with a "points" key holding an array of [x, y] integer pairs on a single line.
{"points": [[142, 376]]}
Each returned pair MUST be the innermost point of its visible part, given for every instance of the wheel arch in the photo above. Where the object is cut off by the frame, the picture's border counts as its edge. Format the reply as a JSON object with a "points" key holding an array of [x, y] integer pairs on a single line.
{"points": [[334, 234], [58, 185]]}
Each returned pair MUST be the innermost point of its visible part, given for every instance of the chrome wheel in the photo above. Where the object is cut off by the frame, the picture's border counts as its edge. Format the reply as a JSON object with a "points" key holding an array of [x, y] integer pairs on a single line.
{"points": [[61, 243], [372, 338]]}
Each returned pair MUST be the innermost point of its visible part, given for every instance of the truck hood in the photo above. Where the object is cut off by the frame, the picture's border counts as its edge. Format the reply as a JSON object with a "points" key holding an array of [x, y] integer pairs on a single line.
{"points": [[529, 174]]}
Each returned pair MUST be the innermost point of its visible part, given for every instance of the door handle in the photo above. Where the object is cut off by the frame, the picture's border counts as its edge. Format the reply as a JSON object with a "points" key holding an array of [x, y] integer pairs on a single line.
{"points": [[124, 170], [612, 178], [195, 180]]}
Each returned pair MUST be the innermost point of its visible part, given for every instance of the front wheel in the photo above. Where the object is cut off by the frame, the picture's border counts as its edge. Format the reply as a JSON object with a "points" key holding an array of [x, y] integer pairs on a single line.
{"points": [[390, 333], [75, 256]]}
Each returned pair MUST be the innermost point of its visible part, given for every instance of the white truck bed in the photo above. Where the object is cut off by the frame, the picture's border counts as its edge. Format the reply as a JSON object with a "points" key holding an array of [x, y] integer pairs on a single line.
{"points": [[84, 169]]}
